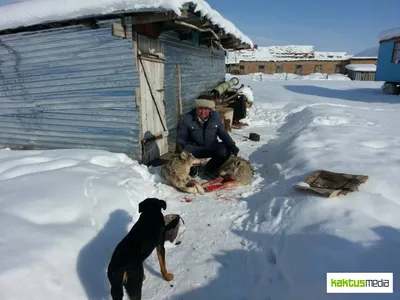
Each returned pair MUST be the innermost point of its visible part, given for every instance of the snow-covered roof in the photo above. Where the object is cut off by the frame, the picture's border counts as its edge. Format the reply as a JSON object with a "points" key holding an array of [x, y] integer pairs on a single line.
{"points": [[330, 55], [370, 53], [362, 67], [283, 53], [389, 34], [41, 11]]}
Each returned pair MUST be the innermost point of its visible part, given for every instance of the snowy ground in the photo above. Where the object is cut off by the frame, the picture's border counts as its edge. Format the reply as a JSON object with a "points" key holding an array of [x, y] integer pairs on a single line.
{"points": [[63, 212]]}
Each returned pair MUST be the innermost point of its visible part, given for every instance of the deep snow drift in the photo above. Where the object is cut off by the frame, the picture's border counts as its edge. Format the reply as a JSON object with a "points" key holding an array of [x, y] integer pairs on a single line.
{"points": [[63, 212]]}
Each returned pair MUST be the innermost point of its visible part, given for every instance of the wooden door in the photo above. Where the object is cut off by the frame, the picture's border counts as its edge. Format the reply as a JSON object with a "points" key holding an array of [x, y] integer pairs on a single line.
{"points": [[318, 69], [299, 70], [154, 132]]}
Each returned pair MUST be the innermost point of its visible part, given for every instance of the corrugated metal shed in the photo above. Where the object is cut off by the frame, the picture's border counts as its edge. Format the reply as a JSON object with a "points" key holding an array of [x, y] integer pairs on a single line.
{"points": [[361, 75], [200, 70], [74, 87], [69, 87], [361, 72]]}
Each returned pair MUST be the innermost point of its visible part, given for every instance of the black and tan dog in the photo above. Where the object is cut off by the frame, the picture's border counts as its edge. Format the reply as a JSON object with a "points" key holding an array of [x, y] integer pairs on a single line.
{"points": [[126, 265]]}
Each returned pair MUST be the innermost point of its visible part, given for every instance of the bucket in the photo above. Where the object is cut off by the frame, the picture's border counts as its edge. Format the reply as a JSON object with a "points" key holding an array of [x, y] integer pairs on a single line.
{"points": [[172, 225]]}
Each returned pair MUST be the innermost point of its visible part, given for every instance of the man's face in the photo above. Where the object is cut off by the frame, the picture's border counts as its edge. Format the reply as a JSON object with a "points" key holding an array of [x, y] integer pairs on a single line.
{"points": [[203, 112]]}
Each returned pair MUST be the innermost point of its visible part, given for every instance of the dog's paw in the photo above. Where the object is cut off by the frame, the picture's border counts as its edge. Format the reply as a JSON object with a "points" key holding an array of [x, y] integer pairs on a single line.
{"points": [[168, 276], [201, 190]]}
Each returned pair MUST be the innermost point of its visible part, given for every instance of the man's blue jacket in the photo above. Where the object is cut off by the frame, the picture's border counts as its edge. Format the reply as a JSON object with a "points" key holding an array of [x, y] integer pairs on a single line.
{"points": [[191, 131]]}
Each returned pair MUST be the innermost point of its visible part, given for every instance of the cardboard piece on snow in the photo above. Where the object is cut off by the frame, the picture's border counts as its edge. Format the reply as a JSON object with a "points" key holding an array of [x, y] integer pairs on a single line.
{"points": [[331, 184]]}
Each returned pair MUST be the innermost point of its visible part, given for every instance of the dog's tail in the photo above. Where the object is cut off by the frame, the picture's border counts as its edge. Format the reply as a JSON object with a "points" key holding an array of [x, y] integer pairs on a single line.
{"points": [[133, 280]]}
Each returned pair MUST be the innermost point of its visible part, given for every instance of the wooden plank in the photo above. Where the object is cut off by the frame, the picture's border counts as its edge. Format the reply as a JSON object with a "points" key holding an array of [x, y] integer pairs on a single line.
{"points": [[152, 110], [327, 193], [118, 30], [153, 57], [145, 18], [336, 181], [139, 106], [331, 184], [150, 30]]}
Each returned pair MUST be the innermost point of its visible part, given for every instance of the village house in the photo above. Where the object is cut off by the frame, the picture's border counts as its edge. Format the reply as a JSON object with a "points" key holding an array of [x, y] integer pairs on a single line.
{"points": [[362, 66], [111, 76], [300, 60], [366, 57]]}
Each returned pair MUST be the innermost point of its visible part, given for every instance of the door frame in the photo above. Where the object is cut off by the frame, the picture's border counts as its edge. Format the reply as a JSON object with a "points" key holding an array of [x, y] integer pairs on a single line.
{"points": [[150, 97]]}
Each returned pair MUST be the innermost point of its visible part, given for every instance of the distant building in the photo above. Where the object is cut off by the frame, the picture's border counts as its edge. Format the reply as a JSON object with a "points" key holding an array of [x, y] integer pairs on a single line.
{"points": [[365, 57], [300, 60], [361, 72]]}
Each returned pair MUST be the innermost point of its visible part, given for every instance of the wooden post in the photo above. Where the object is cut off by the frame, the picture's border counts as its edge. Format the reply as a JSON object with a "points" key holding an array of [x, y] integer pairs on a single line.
{"points": [[179, 91]]}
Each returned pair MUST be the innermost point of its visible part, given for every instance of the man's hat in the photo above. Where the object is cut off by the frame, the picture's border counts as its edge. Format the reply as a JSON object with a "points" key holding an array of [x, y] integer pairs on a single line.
{"points": [[205, 103]]}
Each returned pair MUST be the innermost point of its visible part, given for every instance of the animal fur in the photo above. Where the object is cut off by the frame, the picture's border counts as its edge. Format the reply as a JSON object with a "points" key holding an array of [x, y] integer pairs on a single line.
{"points": [[126, 266], [176, 172], [247, 93], [236, 171]]}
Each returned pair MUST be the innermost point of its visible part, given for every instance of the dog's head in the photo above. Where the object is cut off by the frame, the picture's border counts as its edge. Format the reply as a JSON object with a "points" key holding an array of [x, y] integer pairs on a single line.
{"points": [[152, 204], [189, 159]]}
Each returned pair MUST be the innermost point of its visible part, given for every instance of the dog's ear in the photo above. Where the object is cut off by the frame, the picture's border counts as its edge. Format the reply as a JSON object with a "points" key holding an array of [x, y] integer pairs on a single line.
{"points": [[142, 206], [152, 204], [145, 204], [163, 204]]}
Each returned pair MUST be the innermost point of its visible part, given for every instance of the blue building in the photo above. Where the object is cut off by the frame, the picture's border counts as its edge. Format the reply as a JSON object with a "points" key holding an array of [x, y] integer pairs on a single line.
{"points": [[116, 81], [388, 64]]}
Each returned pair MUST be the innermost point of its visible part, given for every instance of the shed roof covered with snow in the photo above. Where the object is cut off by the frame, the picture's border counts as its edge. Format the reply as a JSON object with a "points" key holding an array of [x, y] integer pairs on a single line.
{"points": [[25, 15], [362, 67], [283, 53]]}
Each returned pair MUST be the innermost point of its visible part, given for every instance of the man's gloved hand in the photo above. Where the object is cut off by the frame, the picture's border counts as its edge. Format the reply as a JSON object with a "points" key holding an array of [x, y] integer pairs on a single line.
{"points": [[179, 148], [234, 150]]}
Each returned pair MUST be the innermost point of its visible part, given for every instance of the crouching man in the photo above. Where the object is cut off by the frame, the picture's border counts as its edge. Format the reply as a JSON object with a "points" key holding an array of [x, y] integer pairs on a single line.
{"points": [[197, 134]]}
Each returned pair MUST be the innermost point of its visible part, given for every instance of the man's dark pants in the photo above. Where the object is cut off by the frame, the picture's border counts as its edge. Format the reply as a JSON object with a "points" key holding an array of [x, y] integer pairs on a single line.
{"points": [[218, 152], [239, 109]]}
